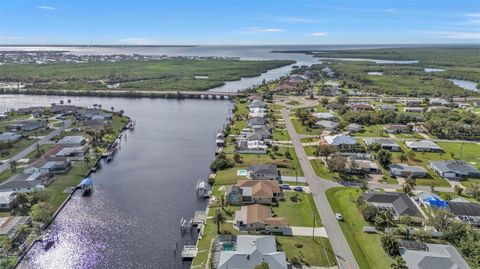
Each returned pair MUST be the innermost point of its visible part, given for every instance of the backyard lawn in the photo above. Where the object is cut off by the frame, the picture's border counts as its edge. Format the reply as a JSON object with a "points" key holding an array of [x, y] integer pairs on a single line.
{"points": [[316, 252], [371, 131], [365, 247], [298, 213]]}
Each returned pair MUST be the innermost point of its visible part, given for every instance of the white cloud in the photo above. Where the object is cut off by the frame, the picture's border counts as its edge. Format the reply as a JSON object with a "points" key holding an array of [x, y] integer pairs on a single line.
{"points": [[454, 35], [12, 38], [137, 41], [474, 15], [256, 30], [46, 7], [390, 10], [294, 20], [318, 34]]}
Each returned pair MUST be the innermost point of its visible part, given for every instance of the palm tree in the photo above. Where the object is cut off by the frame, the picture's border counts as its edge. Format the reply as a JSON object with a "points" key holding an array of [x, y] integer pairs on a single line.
{"points": [[409, 185], [112, 108], [69, 101], [61, 102], [398, 263], [13, 165], [403, 158], [218, 219], [387, 218]]}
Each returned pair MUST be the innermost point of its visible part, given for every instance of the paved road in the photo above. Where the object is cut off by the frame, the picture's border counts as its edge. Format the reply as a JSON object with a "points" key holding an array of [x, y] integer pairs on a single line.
{"points": [[32, 147], [418, 188], [345, 258]]}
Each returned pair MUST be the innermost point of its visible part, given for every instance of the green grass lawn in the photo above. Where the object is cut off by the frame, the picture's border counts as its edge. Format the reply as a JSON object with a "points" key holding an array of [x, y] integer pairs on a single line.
{"points": [[299, 128], [469, 152], [5, 175], [366, 248], [322, 171], [18, 147], [412, 135], [371, 131], [316, 252], [310, 150], [229, 176], [280, 135], [300, 213]]}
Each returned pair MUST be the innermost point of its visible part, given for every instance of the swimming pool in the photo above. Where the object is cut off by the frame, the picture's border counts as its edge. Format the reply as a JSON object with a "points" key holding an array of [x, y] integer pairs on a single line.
{"points": [[227, 246], [241, 173]]}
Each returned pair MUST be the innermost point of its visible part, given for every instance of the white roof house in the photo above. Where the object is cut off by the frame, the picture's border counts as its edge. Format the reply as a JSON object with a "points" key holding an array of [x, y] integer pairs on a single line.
{"points": [[324, 115], [425, 256], [339, 139], [251, 251], [423, 145], [10, 137], [72, 140]]}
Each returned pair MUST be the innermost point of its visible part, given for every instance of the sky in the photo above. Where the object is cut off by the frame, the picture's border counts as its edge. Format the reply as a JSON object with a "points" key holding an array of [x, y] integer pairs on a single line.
{"points": [[239, 22]]}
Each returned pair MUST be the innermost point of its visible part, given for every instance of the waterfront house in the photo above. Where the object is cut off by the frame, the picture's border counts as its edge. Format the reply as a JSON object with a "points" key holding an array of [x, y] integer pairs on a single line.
{"points": [[384, 143], [327, 125], [466, 212], [64, 109], [48, 164], [76, 140], [420, 255], [403, 170], [73, 153], [256, 104], [263, 172], [354, 127], [251, 147], [258, 218], [247, 251], [3, 115], [399, 204], [10, 225], [327, 71], [339, 140], [454, 169], [29, 110], [22, 186], [257, 122], [10, 137], [93, 113], [6, 200], [266, 192], [396, 128], [423, 145]]}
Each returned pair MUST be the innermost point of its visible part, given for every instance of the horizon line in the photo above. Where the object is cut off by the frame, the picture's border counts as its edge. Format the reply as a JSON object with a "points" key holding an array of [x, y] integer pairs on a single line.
{"points": [[198, 45]]}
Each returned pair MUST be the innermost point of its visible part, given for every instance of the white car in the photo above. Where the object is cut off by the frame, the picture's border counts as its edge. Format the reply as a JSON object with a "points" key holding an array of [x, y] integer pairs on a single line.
{"points": [[338, 216]]}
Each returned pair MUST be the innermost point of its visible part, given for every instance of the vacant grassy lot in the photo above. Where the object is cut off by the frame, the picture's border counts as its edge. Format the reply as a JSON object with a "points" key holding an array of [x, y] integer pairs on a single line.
{"points": [[322, 171], [300, 213], [316, 252], [160, 75], [365, 247]]}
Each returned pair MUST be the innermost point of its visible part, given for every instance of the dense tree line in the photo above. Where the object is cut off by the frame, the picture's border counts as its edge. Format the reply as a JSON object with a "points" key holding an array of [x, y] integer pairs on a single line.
{"points": [[378, 117], [451, 124]]}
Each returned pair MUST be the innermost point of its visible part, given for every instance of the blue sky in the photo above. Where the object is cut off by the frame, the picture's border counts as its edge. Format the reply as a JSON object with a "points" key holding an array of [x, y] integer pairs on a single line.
{"points": [[243, 22]]}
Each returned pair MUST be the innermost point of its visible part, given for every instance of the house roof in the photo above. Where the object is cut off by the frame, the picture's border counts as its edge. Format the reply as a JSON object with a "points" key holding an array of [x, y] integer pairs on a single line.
{"points": [[32, 176], [436, 256], [20, 184], [400, 201], [456, 166], [327, 123], [395, 127], [323, 115], [6, 197], [340, 139], [382, 141], [9, 136], [258, 214], [252, 250], [408, 168], [67, 140], [464, 209], [422, 144], [259, 188], [267, 169]]}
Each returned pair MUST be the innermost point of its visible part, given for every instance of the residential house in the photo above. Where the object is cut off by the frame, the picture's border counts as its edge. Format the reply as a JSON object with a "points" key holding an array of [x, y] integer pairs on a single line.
{"points": [[327, 71], [266, 192], [327, 124], [93, 113], [396, 128], [387, 107], [437, 108], [22, 186], [28, 125], [399, 204], [76, 140], [454, 169], [95, 125], [263, 172], [47, 164], [339, 140], [384, 143], [256, 104], [10, 137], [6, 200], [412, 102], [247, 251], [432, 200], [354, 127], [9, 225], [466, 211], [251, 147], [438, 102], [419, 255], [258, 218], [286, 86], [73, 153], [404, 170], [324, 116], [361, 167], [3, 115], [423, 145], [414, 109], [29, 110], [257, 122], [360, 106], [64, 109]]}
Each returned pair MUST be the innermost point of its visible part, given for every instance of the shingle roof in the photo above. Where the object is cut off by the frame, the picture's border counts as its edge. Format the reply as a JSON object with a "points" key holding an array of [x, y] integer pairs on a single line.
{"points": [[464, 209], [456, 166], [400, 201]]}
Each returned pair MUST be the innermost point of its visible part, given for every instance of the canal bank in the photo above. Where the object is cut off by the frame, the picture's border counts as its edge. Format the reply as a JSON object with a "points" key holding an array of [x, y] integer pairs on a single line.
{"points": [[131, 219]]}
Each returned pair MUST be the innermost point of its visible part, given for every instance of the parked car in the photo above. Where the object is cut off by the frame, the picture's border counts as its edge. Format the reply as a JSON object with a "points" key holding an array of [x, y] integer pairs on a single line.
{"points": [[298, 188], [338, 216], [284, 186]]}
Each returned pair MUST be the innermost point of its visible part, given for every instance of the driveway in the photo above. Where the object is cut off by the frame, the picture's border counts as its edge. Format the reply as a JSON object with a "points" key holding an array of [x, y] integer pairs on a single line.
{"points": [[306, 231], [344, 255]]}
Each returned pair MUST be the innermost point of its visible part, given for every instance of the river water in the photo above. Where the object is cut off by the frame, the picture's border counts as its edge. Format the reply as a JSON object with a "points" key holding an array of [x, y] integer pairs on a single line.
{"points": [[132, 218]]}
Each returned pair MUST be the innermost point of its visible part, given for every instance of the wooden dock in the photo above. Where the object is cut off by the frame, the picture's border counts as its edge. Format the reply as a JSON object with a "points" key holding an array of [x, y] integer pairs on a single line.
{"points": [[189, 252]]}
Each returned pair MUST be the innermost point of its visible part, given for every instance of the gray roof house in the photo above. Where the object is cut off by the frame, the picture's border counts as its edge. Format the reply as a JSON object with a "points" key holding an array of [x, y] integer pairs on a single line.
{"points": [[23, 186], [9, 225], [263, 172], [438, 102], [387, 107], [419, 255], [466, 211], [354, 127], [454, 169], [6, 200], [248, 252], [327, 124], [423, 145], [396, 128], [76, 140], [384, 143], [397, 203], [10, 137], [324, 115], [403, 170], [257, 104], [257, 121], [28, 125]]}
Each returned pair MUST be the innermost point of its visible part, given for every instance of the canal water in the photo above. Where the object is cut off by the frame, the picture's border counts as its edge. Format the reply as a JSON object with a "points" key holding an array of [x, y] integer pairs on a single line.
{"points": [[132, 218]]}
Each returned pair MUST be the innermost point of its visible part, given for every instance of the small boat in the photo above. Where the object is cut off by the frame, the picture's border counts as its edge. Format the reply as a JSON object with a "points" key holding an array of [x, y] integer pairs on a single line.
{"points": [[86, 185]]}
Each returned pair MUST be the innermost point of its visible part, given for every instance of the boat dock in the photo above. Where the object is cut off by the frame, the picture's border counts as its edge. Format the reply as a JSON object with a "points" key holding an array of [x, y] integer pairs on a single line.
{"points": [[189, 252], [199, 218]]}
